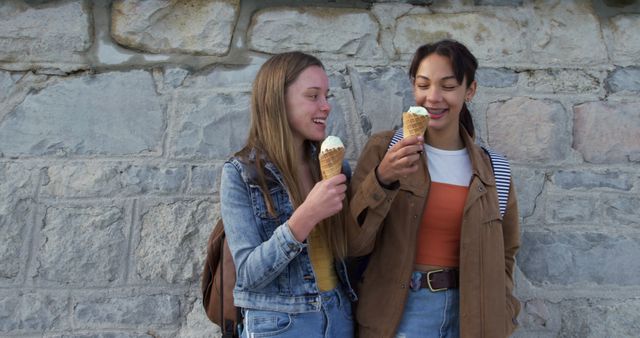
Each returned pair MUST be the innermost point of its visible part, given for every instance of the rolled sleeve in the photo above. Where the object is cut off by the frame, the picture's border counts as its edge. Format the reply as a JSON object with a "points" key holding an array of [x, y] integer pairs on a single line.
{"points": [[287, 242]]}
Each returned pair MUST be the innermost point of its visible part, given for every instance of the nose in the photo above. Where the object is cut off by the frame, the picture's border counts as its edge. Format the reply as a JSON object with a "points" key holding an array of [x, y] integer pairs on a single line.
{"points": [[324, 105], [434, 94]]}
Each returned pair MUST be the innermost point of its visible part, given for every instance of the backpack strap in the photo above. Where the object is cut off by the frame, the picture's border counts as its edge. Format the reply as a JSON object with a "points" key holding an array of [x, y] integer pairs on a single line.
{"points": [[397, 137], [502, 173]]}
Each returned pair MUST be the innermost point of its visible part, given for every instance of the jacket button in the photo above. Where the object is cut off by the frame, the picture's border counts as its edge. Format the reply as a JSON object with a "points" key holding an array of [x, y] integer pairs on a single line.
{"points": [[403, 285], [481, 188], [415, 216]]}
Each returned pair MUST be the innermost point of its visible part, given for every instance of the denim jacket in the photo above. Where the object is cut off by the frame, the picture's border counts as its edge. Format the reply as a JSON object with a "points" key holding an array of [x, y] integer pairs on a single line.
{"points": [[273, 269]]}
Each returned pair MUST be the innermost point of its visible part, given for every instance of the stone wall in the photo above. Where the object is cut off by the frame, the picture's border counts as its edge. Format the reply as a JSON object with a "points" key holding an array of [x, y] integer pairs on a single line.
{"points": [[116, 117]]}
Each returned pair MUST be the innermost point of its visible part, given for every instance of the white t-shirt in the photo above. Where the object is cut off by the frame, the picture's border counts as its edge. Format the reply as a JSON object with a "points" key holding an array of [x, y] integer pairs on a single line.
{"points": [[449, 166]]}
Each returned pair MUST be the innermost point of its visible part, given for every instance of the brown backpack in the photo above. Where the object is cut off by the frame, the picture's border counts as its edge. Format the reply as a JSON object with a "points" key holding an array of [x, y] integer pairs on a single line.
{"points": [[218, 280]]}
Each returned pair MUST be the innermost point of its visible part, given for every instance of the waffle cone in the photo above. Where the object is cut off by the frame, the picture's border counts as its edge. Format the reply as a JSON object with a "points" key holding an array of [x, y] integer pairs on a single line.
{"points": [[414, 124], [331, 162]]}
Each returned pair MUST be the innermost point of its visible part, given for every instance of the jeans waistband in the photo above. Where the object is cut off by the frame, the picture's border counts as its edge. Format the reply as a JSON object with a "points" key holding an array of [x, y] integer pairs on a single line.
{"points": [[333, 295]]}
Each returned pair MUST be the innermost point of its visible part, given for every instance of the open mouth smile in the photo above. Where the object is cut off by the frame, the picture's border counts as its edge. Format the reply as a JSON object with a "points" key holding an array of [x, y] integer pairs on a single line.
{"points": [[320, 120], [436, 111]]}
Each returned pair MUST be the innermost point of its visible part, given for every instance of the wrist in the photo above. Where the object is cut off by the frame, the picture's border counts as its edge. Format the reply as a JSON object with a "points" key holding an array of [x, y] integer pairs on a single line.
{"points": [[300, 224], [389, 186]]}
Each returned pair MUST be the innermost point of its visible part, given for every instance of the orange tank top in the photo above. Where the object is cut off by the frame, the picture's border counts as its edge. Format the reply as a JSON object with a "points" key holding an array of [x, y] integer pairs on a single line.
{"points": [[439, 233]]}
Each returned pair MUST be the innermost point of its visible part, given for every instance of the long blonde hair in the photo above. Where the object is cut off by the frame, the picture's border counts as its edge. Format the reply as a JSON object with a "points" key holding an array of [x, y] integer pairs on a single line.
{"points": [[270, 135]]}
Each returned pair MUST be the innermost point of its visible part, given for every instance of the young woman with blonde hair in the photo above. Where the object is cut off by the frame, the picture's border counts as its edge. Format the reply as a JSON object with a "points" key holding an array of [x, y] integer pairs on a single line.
{"points": [[284, 224]]}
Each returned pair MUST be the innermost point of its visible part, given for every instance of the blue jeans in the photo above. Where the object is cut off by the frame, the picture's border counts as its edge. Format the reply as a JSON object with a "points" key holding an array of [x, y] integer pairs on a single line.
{"points": [[333, 320], [430, 314]]}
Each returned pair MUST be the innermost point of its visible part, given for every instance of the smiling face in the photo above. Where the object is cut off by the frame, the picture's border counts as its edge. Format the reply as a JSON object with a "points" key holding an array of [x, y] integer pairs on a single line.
{"points": [[307, 105], [435, 87]]}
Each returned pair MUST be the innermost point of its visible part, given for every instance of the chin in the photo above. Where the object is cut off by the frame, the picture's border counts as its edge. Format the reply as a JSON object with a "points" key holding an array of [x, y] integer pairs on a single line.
{"points": [[316, 138]]}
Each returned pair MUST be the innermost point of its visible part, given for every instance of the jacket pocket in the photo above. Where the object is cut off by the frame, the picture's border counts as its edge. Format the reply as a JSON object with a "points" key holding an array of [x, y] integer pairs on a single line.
{"points": [[261, 323], [280, 204]]}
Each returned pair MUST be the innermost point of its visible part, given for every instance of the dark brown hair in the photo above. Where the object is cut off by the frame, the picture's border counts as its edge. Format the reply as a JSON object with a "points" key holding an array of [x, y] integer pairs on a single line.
{"points": [[464, 66]]}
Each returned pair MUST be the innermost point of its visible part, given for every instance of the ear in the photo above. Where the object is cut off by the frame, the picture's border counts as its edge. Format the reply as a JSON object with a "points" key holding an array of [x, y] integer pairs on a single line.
{"points": [[471, 91]]}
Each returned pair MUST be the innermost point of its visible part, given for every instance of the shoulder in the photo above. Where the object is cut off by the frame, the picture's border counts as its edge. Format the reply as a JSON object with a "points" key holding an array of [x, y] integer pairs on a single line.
{"points": [[377, 145], [496, 158], [240, 167], [381, 138], [235, 163]]}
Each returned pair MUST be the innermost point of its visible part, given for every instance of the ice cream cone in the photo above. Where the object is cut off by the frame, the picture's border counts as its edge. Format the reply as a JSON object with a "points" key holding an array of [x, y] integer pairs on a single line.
{"points": [[331, 157], [414, 124], [331, 162]]}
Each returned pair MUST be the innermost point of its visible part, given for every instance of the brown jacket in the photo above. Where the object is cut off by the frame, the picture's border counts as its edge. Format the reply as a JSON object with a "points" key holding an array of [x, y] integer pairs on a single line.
{"points": [[389, 221]]}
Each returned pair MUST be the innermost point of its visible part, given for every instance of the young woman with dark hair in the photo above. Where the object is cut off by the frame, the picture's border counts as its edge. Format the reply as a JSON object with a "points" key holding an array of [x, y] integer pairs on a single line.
{"points": [[442, 249]]}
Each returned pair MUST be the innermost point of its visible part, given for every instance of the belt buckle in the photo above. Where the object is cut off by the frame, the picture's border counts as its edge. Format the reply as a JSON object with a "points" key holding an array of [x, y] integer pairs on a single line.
{"points": [[429, 280]]}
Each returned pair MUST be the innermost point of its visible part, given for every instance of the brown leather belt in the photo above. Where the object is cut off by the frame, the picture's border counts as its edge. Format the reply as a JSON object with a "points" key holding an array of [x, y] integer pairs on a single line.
{"points": [[438, 280]]}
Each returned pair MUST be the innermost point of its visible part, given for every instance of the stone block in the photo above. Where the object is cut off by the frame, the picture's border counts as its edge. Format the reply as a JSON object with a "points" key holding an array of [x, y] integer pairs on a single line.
{"points": [[84, 179], [381, 95], [554, 31], [94, 179], [538, 318], [570, 209], [33, 36], [493, 37], [151, 179], [624, 44], [173, 238], [174, 76], [607, 132], [498, 2], [624, 79], [6, 85], [82, 245], [226, 76], [588, 317], [496, 77], [595, 318], [622, 209], [344, 31], [204, 179], [576, 258], [343, 122], [66, 118], [588, 180], [555, 81], [211, 125], [191, 27], [33, 313], [342, 115], [151, 334], [132, 311], [17, 204], [528, 130], [197, 324], [529, 184]]}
